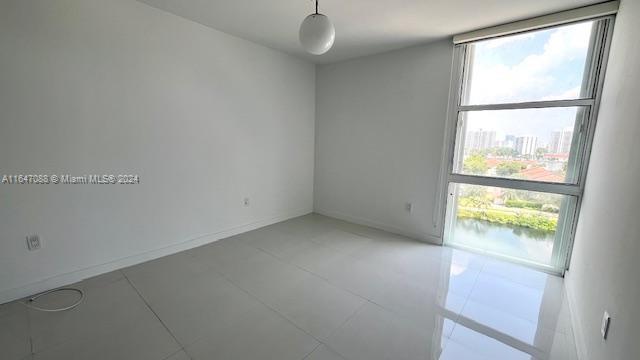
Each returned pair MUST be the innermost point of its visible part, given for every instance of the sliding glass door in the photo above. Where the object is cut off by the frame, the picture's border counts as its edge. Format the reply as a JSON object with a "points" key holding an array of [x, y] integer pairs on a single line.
{"points": [[521, 125]]}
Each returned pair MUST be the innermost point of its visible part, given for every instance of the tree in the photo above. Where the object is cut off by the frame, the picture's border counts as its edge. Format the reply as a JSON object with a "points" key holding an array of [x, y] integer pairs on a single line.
{"points": [[509, 194], [509, 167], [467, 190], [475, 164], [504, 152], [541, 151]]}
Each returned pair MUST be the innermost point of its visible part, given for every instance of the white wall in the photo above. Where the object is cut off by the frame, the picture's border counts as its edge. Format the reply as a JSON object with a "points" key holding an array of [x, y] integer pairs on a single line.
{"points": [[119, 87], [379, 133], [605, 272]]}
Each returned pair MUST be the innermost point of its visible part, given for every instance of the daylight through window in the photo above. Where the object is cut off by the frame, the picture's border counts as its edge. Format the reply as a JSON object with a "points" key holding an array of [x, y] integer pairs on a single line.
{"points": [[524, 113]]}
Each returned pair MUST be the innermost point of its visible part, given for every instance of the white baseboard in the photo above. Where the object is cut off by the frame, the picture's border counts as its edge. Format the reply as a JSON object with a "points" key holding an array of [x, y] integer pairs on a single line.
{"points": [[426, 237], [79, 275], [576, 322]]}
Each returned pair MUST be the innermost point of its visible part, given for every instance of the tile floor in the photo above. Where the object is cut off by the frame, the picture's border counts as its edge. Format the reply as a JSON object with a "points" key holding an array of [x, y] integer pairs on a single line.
{"points": [[311, 288]]}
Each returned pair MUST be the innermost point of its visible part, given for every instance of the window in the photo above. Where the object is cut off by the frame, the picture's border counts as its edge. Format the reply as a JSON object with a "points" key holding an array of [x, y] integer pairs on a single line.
{"points": [[524, 110]]}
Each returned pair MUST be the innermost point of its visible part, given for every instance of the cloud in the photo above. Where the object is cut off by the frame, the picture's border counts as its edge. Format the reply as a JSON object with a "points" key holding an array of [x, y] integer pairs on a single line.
{"points": [[571, 93], [537, 76], [501, 41]]}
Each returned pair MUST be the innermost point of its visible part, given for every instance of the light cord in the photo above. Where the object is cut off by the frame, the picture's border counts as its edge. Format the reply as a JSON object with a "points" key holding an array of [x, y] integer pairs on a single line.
{"points": [[30, 301]]}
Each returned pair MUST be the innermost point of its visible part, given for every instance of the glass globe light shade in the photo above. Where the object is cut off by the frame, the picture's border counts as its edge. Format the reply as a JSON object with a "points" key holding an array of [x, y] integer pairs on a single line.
{"points": [[317, 34]]}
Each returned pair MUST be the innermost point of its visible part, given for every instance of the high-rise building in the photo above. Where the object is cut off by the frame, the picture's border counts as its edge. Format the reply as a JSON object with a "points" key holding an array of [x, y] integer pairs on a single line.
{"points": [[509, 141], [526, 145], [561, 141], [480, 139]]}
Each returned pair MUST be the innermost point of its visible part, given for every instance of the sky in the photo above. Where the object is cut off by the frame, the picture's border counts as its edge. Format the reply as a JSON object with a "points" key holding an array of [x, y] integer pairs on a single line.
{"points": [[534, 66]]}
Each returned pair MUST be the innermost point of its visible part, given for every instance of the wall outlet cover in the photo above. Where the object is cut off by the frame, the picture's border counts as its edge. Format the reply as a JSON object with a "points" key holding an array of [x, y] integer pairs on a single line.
{"points": [[606, 320], [33, 242], [408, 207]]}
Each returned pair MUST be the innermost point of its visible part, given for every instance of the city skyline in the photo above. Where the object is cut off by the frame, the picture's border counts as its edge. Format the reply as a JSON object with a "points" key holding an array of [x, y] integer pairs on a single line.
{"points": [[543, 65], [481, 139]]}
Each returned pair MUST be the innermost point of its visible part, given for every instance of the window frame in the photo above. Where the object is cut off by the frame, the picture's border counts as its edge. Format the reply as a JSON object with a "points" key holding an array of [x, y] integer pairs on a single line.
{"points": [[594, 78]]}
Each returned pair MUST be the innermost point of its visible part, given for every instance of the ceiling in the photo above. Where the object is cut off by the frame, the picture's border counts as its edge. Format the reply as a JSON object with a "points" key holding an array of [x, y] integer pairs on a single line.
{"points": [[362, 27]]}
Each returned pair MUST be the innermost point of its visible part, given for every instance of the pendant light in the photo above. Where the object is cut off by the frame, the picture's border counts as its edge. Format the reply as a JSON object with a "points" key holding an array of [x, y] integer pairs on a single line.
{"points": [[317, 33]]}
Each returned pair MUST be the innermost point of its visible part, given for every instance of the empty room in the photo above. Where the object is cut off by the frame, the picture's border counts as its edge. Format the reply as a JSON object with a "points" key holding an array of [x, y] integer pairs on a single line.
{"points": [[319, 180]]}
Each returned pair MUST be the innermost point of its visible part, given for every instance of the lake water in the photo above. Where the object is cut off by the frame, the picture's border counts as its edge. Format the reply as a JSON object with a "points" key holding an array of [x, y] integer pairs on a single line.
{"points": [[514, 241]]}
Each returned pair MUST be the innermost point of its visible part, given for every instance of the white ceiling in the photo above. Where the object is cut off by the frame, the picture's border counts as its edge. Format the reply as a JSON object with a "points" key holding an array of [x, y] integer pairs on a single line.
{"points": [[363, 27]]}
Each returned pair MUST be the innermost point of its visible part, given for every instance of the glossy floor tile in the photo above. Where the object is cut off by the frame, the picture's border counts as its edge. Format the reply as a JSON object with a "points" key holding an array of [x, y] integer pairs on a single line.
{"points": [[312, 288], [193, 304], [376, 333], [180, 355], [113, 322], [323, 352], [257, 334], [15, 342]]}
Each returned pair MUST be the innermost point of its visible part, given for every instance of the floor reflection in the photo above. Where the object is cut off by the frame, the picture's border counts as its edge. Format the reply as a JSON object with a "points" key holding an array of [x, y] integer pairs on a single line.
{"points": [[511, 312], [347, 291]]}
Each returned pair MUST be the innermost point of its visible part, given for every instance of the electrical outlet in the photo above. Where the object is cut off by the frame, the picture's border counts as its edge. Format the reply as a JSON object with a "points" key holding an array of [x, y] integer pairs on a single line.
{"points": [[606, 320], [246, 202], [408, 207], [33, 242]]}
